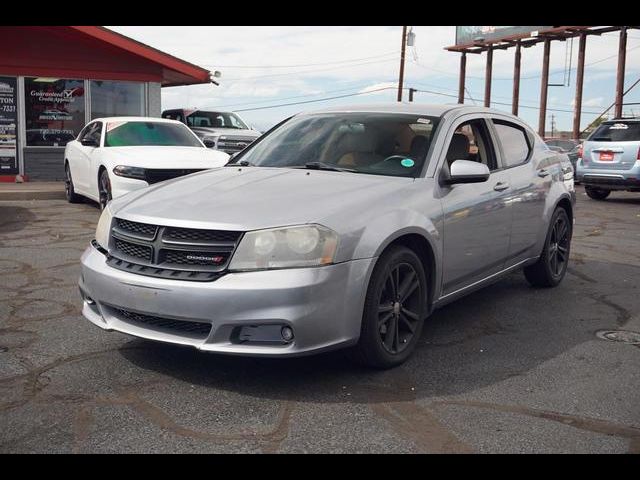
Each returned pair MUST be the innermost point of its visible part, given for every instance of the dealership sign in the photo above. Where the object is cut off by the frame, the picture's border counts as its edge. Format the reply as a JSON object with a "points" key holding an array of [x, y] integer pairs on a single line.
{"points": [[466, 35], [8, 126]]}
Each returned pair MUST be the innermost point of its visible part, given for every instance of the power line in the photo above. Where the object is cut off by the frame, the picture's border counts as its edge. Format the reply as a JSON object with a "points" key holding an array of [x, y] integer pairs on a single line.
{"points": [[503, 103], [304, 72], [302, 64], [317, 100], [479, 95], [529, 77], [293, 97], [394, 88]]}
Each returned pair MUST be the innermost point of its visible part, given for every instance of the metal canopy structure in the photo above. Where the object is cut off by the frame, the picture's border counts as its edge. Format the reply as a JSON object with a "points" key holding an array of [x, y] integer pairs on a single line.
{"points": [[546, 36]]}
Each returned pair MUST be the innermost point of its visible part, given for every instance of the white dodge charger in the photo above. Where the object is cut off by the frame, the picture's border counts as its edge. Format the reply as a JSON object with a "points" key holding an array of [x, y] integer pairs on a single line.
{"points": [[114, 156]]}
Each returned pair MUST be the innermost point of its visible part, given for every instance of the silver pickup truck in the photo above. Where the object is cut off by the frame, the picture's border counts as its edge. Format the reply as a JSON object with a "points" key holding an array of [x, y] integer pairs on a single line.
{"points": [[224, 131]]}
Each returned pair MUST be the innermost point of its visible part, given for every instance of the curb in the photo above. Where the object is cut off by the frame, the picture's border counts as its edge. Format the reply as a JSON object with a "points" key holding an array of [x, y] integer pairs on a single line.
{"points": [[31, 195]]}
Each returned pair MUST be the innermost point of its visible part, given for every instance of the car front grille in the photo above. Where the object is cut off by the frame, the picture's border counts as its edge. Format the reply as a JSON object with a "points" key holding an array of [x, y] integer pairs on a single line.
{"points": [[171, 252], [192, 329], [155, 175], [197, 235], [234, 144], [142, 230], [134, 250]]}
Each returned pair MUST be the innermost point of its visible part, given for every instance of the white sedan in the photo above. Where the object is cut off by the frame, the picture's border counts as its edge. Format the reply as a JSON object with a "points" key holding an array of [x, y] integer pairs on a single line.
{"points": [[117, 155]]}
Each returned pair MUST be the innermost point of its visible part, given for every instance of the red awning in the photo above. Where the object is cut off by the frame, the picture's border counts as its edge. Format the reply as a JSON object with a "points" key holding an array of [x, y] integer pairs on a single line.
{"points": [[90, 52]]}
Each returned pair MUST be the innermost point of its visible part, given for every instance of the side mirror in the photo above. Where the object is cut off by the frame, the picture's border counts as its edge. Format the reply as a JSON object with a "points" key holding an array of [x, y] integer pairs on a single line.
{"points": [[465, 171], [209, 143], [89, 142]]}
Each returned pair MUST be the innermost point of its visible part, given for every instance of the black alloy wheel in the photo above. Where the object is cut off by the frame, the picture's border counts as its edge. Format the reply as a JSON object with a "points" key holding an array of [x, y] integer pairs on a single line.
{"points": [[394, 310], [399, 308], [69, 189], [551, 267], [104, 189], [559, 246]]}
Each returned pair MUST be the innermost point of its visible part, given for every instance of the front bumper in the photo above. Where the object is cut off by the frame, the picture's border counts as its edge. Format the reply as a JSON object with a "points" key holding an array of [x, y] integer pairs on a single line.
{"points": [[322, 305], [122, 185]]}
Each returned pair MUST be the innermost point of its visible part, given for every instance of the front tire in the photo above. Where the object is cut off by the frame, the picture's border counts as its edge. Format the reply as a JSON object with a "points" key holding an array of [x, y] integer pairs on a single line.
{"points": [[69, 189], [394, 310], [104, 189], [551, 267], [597, 193]]}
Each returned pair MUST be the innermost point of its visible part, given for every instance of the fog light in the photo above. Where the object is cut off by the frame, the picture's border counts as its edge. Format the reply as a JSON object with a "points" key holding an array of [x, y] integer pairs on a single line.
{"points": [[287, 334], [86, 298]]}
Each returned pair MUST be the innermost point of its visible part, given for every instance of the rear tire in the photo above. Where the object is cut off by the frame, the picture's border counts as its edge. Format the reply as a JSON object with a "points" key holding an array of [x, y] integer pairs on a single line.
{"points": [[394, 310], [69, 190], [551, 267], [597, 193]]}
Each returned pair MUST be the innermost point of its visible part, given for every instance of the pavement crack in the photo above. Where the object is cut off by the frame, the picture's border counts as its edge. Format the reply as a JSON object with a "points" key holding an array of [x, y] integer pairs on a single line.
{"points": [[594, 425], [421, 426]]}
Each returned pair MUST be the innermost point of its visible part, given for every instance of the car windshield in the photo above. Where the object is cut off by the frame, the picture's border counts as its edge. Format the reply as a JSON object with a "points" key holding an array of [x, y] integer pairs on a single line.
{"points": [[373, 143], [200, 118], [617, 132], [140, 133]]}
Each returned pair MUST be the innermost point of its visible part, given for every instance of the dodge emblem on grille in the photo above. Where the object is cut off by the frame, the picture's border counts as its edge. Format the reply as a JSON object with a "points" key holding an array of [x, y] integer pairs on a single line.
{"points": [[202, 258]]}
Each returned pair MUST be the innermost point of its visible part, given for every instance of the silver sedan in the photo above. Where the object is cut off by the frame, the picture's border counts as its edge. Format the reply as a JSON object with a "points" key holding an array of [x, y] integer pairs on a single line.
{"points": [[338, 228]]}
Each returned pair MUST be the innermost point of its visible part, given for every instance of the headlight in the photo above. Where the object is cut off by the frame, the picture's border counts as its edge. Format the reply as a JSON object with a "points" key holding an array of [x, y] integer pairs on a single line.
{"points": [[130, 172], [104, 227], [287, 247]]}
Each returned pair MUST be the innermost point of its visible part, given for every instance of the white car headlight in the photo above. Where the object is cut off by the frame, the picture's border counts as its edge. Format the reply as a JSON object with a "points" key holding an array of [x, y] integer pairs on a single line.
{"points": [[286, 247], [104, 227]]}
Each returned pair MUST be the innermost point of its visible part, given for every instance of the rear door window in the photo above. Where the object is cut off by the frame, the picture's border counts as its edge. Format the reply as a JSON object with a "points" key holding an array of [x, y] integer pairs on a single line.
{"points": [[617, 132], [514, 141]]}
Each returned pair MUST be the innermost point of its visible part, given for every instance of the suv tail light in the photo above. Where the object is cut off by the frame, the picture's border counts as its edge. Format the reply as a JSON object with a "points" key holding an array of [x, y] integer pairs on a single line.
{"points": [[638, 156]]}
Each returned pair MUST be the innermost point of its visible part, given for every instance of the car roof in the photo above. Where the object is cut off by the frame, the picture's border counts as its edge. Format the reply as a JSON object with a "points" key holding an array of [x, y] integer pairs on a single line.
{"points": [[618, 120], [135, 119], [435, 110], [193, 110]]}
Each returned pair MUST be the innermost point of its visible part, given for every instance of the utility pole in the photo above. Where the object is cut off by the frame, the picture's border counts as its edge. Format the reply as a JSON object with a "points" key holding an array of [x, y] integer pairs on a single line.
{"points": [[401, 79], [411, 92]]}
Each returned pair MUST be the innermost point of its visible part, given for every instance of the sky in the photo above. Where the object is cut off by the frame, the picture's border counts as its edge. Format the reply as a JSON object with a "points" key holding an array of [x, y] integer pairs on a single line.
{"points": [[273, 65]]}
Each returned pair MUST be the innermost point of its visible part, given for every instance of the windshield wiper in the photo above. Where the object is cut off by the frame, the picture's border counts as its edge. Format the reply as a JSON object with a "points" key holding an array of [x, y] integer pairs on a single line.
{"points": [[242, 163], [325, 166]]}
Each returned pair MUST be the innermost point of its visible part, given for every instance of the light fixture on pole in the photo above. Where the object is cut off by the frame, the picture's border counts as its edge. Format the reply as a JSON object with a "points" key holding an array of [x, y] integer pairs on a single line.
{"points": [[213, 76], [407, 39]]}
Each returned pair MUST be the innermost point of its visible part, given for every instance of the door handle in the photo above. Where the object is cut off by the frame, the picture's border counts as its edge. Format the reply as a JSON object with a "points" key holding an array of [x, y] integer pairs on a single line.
{"points": [[543, 173], [500, 186]]}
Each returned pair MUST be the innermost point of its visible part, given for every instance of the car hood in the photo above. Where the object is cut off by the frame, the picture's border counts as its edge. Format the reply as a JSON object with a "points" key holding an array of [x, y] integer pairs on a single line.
{"points": [[251, 198], [231, 132], [166, 157]]}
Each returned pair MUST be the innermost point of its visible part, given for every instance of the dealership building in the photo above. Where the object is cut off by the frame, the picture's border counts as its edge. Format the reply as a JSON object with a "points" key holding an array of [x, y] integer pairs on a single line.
{"points": [[53, 80]]}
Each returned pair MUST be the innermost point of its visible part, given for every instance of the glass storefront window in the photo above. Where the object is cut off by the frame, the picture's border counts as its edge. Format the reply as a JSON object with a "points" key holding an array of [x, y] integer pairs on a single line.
{"points": [[54, 111], [115, 99]]}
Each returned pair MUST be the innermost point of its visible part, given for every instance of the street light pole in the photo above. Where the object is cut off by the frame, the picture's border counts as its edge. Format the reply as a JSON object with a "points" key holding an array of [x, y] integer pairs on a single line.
{"points": [[401, 79]]}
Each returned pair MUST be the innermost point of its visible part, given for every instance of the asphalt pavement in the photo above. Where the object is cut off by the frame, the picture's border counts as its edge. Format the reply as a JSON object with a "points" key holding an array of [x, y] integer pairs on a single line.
{"points": [[508, 369]]}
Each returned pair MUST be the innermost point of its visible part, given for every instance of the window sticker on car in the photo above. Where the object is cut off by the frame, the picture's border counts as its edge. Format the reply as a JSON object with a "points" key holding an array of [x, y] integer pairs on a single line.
{"points": [[112, 125], [619, 126], [424, 120], [407, 162]]}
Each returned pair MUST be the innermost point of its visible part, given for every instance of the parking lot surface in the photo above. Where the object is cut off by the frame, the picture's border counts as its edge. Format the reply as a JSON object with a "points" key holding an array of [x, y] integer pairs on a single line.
{"points": [[507, 369]]}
